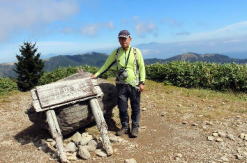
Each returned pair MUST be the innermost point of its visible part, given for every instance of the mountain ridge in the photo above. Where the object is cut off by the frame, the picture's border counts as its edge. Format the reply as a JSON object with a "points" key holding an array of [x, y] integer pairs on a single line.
{"points": [[98, 59]]}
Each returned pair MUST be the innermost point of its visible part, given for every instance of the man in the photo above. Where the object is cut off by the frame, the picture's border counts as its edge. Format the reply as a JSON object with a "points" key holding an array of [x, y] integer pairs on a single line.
{"points": [[129, 81]]}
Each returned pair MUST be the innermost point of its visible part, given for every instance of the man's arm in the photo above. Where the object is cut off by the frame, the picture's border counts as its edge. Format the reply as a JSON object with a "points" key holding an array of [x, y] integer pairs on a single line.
{"points": [[108, 63], [142, 70]]}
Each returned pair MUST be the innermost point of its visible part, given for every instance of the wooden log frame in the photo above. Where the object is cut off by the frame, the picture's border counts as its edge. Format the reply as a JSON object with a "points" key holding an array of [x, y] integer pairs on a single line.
{"points": [[54, 95], [48, 107], [56, 134], [101, 125]]}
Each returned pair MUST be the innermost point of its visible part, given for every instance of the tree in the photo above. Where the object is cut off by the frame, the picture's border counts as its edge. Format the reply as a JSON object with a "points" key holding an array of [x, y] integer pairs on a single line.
{"points": [[29, 67]]}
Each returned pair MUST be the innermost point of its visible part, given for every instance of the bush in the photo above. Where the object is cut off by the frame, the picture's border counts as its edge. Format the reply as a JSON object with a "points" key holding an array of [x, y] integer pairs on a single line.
{"points": [[7, 85], [63, 72], [200, 75]]}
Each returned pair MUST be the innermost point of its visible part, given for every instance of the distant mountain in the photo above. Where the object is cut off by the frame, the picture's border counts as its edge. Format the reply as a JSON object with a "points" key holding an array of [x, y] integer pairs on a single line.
{"points": [[234, 47], [216, 58], [6, 70], [98, 59], [92, 59]]}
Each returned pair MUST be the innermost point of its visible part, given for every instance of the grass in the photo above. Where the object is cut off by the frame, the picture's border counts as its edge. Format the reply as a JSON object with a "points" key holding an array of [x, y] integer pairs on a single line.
{"points": [[5, 95], [201, 103]]}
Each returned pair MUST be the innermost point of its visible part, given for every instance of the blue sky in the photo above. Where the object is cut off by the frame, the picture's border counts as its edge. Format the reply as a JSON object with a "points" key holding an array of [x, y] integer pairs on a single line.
{"points": [[73, 26]]}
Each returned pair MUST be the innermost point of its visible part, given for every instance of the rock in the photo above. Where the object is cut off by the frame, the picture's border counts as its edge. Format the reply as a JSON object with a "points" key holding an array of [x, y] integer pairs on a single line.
{"points": [[239, 157], [239, 150], [222, 134], [53, 143], [100, 153], [210, 138], [84, 153], [72, 157], [43, 142], [76, 138], [208, 123], [115, 150], [242, 135], [184, 122], [245, 154], [85, 138], [143, 127], [219, 140], [179, 155], [224, 159], [179, 105], [194, 124], [215, 134], [163, 114], [43, 145], [71, 147], [131, 160], [230, 136], [49, 140], [92, 145], [115, 139], [144, 109]]}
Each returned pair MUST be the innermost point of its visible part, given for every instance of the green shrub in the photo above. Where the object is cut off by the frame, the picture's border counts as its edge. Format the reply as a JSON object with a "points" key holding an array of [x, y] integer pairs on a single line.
{"points": [[63, 72], [7, 85], [200, 75]]}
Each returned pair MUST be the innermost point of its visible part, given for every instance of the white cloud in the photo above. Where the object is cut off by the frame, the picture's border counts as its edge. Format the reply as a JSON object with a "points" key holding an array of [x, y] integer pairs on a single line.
{"points": [[94, 29], [143, 29], [232, 30], [90, 30], [172, 22], [16, 15], [182, 33]]}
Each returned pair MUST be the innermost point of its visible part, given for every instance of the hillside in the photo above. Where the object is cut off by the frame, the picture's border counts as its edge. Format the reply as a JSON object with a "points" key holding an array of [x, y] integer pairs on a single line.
{"points": [[6, 70], [188, 125], [98, 59], [92, 59], [216, 58]]}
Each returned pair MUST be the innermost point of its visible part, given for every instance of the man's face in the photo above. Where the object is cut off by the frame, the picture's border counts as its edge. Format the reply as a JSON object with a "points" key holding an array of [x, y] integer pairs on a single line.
{"points": [[124, 42]]}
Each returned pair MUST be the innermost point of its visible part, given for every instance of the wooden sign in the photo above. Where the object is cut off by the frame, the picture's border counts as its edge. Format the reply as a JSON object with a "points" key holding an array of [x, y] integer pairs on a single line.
{"points": [[64, 91]]}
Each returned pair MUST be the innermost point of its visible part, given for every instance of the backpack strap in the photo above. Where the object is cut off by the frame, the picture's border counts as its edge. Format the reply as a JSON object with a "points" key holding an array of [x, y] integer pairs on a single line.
{"points": [[117, 57], [136, 63]]}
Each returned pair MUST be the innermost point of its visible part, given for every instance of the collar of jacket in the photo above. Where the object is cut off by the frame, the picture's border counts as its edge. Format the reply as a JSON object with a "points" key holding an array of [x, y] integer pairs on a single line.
{"points": [[126, 49]]}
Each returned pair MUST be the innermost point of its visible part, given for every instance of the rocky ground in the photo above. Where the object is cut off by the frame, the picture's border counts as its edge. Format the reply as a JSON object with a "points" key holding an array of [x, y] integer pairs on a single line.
{"points": [[178, 125]]}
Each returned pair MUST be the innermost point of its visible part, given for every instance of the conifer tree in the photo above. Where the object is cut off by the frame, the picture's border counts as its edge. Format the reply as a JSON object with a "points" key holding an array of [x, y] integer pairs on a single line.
{"points": [[29, 67]]}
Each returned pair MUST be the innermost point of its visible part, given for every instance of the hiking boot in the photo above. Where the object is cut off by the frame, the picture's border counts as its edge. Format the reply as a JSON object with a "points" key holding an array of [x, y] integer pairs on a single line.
{"points": [[123, 130], [134, 132]]}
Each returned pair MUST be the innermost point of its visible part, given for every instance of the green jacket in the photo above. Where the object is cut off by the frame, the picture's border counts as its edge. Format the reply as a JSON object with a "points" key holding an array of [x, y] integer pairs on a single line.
{"points": [[135, 76]]}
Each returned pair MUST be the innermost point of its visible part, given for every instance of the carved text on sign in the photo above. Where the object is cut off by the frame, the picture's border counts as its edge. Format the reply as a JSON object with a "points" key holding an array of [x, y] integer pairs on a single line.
{"points": [[56, 93]]}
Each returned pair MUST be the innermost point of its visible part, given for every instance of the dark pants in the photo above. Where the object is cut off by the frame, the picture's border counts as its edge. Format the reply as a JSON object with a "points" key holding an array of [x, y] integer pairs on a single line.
{"points": [[125, 92]]}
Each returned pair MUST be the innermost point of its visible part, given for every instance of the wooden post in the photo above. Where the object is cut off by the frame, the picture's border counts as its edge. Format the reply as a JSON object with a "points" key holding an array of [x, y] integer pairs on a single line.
{"points": [[101, 125], [56, 134]]}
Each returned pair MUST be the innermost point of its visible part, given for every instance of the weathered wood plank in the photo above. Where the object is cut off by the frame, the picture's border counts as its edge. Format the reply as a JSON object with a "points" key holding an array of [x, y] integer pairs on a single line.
{"points": [[36, 103], [56, 134], [101, 125], [65, 91]]}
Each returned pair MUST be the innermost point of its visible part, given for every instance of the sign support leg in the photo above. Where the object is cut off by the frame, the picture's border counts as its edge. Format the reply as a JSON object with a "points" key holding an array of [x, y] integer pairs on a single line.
{"points": [[101, 125], [56, 134]]}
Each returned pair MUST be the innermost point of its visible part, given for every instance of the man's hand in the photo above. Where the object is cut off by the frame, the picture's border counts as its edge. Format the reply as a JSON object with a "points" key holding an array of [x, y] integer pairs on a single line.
{"points": [[141, 87], [93, 76]]}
